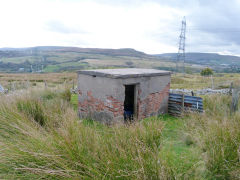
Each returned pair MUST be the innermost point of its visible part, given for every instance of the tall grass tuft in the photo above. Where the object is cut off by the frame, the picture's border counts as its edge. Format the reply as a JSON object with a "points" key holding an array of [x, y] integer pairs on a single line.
{"points": [[33, 109], [42, 138], [66, 95], [217, 133]]}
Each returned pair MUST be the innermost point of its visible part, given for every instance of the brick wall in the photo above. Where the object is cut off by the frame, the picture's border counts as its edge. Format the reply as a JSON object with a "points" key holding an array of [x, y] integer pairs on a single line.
{"points": [[108, 108], [91, 104], [154, 103]]}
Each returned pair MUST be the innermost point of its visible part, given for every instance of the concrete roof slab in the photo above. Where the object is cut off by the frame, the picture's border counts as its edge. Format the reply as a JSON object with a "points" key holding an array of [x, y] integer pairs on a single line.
{"points": [[124, 73]]}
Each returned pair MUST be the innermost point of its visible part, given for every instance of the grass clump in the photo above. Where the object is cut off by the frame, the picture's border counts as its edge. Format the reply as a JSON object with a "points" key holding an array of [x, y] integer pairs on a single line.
{"points": [[66, 95], [48, 95], [33, 109], [217, 133], [43, 138]]}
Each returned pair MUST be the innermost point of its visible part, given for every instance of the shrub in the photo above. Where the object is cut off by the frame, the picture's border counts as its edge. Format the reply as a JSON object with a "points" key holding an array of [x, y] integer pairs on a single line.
{"points": [[39, 80], [206, 72]]}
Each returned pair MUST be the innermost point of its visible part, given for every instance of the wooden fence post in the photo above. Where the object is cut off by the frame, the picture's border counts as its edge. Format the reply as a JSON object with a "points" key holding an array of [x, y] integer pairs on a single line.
{"points": [[231, 88], [182, 103], [212, 82], [235, 98], [13, 86]]}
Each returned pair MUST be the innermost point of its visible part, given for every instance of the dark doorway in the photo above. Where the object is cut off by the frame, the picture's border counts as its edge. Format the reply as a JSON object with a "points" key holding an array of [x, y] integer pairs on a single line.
{"points": [[129, 103]]}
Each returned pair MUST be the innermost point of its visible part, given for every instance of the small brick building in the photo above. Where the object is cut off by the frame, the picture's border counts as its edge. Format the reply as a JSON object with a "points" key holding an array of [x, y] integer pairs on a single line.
{"points": [[118, 95]]}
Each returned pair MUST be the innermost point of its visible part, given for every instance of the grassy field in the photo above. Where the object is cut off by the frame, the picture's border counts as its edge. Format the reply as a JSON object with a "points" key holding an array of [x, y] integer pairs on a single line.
{"points": [[41, 137], [178, 81], [196, 81], [23, 81]]}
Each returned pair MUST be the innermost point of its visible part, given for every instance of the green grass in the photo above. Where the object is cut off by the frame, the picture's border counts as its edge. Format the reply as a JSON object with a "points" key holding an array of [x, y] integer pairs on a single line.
{"points": [[74, 101], [176, 146], [18, 60], [59, 67], [41, 137], [178, 151], [65, 147], [51, 68], [217, 135], [196, 81]]}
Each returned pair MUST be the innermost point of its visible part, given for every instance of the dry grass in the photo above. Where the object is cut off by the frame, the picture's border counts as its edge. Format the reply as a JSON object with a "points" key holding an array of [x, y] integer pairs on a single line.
{"points": [[24, 81], [41, 137], [188, 81], [196, 81], [217, 134], [56, 78]]}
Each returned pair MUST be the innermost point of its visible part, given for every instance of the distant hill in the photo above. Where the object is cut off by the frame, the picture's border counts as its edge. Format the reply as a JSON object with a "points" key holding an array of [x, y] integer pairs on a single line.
{"points": [[59, 58], [110, 52], [211, 59]]}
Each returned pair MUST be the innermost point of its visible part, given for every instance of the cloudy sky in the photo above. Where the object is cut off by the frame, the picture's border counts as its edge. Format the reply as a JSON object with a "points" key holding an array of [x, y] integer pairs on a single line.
{"points": [[152, 26]]}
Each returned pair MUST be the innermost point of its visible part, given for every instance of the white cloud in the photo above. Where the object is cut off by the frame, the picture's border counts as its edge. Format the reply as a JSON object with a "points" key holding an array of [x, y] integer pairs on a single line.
{"points": [[152, 26], [84, 24]]}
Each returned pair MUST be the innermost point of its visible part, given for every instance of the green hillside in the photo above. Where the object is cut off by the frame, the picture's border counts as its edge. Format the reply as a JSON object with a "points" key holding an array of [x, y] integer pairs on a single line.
{"points": [[216, 61], [57, 59]]}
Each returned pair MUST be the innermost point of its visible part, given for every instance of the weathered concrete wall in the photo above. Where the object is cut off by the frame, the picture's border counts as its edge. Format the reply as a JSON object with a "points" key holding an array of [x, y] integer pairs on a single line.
{"points": [[102, 98]]}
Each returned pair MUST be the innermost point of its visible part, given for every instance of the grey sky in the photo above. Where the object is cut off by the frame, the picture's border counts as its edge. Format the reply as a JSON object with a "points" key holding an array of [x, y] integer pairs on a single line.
{"points": [[152, 26]]}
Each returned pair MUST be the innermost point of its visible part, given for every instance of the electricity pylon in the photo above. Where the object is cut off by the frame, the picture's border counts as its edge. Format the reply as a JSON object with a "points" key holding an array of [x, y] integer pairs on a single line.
{"points": [[181, 47]]}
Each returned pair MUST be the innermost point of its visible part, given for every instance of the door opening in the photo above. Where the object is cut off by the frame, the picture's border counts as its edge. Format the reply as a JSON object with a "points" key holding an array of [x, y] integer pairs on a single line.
{"points": [[129, 103]]}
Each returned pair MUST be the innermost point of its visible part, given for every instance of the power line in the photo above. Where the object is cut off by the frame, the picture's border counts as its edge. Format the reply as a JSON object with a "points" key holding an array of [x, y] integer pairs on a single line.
{"points": [[201, 30], [214, 30]]}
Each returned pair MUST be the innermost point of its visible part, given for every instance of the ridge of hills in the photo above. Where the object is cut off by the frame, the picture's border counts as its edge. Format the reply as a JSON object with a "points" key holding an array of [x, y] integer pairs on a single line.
{"points": [[204, 58], [41, 49], [61, 58]]}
